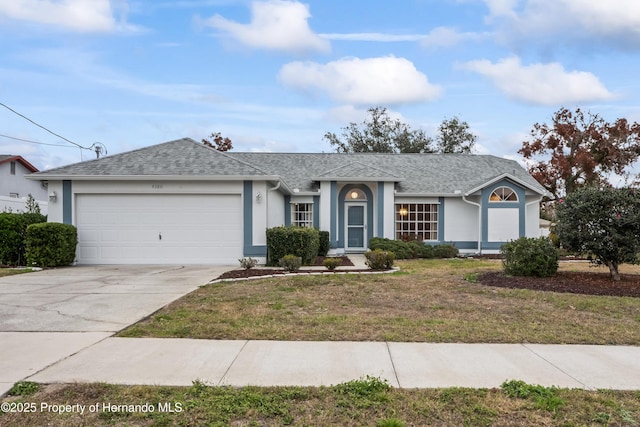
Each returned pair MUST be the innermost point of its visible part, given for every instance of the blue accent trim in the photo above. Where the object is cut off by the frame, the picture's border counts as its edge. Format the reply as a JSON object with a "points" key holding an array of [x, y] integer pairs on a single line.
{"points": [[333, 221], [441, 218], [380, 209], [465, 245], [486, 205], [341, 218], [247, 213], [67, 195], [316, 212], [287, 210], [260, 250]]}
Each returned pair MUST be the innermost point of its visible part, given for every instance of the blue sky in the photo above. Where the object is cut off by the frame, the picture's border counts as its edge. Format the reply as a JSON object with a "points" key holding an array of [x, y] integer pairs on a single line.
{"points": [[276, 75]]}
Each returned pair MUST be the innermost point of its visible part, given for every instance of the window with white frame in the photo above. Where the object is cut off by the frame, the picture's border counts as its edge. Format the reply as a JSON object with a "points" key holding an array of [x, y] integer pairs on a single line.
{"points": [[416, 221], [302, 215], [503, 194]]}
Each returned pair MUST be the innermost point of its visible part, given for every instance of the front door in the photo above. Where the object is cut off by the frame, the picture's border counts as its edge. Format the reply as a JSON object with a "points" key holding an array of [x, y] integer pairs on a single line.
{"points": [[356, 227]]}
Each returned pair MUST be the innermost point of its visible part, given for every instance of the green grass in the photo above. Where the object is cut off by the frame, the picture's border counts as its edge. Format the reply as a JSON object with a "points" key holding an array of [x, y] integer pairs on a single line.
{"points": [[13, 271], [429, 301], [365, 402]]}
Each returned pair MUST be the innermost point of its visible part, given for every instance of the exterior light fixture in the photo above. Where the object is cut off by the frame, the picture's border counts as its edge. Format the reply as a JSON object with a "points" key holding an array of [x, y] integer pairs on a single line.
{"points": [[53, 196], [258, 196], [354, 194]]}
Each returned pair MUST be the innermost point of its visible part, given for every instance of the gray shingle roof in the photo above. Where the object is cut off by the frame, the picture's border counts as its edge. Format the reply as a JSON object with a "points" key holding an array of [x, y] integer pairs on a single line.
{"points": [[414, 173]]}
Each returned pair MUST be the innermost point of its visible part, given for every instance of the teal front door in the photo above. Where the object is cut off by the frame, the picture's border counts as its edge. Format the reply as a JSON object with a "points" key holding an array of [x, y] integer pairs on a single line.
{"points": [[356, 227]]}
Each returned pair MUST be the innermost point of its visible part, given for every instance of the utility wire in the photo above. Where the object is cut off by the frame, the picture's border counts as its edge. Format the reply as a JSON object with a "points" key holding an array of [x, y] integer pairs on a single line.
{"points": [[34, 142], [42, 127]]}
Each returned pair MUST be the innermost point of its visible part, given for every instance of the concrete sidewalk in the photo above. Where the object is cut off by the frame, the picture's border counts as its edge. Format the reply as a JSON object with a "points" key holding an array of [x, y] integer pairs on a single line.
{"points": [[166, 361]]}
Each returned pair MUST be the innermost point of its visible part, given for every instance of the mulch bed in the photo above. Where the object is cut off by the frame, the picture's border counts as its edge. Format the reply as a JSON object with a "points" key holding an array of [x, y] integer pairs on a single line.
{"points": [[256, 272], [569, 282]]}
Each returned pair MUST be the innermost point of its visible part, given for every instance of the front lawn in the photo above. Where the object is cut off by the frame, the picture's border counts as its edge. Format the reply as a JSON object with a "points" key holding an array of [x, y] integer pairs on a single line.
{"points": [[427, 301], [365, 402]]}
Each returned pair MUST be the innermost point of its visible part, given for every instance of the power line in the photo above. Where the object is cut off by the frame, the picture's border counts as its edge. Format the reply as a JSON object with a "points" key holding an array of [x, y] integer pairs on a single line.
{"points": [[34, 142], [98, 147], [42, 127]]}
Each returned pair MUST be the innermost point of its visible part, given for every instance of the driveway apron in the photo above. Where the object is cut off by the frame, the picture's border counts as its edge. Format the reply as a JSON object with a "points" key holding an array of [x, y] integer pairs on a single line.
{"points": [[49, 315]]}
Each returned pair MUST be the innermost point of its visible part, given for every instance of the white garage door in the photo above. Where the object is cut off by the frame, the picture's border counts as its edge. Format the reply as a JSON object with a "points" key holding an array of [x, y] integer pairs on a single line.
{"points": [[159, 229]]}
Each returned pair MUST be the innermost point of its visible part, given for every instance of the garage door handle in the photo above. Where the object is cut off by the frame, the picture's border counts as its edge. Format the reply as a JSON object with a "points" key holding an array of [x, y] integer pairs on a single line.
{"points": [[159, 236]]}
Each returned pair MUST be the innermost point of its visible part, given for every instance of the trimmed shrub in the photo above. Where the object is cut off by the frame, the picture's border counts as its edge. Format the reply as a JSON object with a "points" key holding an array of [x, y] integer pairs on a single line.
{"points": [[323, 249], [290, 262], [298, 241], [332, 263], [51, 244], [401, 249], [248, 263], [412, 248], [379, 259], [530, 257], [13, 231], [445, 251]]}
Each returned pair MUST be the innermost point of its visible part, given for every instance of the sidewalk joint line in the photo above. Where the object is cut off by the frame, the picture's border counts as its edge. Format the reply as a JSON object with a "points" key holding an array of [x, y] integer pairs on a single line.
{"points": [[558, 368], [232, 362], [393, 365]]}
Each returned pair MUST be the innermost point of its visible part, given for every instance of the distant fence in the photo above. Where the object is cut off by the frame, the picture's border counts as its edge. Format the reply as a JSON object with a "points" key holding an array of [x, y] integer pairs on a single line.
{"points": [[13, 204]]}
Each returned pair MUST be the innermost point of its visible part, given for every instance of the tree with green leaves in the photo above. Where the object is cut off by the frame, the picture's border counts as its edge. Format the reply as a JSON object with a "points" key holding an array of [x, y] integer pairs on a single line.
{"points": [[603, 222], [454, 137], [380, 134], [580, 149]]}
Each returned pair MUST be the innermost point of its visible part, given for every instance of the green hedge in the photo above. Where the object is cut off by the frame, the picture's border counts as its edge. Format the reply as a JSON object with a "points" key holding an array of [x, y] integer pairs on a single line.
{"points": [[324, 247], [530, 257], [13, 231], [298, 241], [412, 249], [51, 244]]}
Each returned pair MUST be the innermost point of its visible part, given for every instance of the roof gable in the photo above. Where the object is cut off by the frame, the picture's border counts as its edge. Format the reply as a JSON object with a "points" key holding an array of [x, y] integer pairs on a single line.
{"points": [[5, 158]]}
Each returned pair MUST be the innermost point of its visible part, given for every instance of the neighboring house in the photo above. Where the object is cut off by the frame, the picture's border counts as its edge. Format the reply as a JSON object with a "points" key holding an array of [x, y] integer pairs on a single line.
{"points": [[184, 203], [14, 188]]}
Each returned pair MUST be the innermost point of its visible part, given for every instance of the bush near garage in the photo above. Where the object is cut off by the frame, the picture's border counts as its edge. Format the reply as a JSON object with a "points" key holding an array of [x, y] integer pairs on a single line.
{"points": [[51, 244], [413, 248], [299, 241], [528, 256], [13, 231]]}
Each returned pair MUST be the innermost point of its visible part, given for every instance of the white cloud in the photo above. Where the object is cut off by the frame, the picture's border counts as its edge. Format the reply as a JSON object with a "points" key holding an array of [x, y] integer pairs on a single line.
{"points": [[75, 15], [545, 84], [611, 22], [372, 81], [275, 25]]}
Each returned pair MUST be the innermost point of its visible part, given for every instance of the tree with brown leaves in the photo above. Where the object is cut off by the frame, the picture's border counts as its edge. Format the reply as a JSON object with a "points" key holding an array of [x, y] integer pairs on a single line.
{"points": [[219, 143], [579, 149]]}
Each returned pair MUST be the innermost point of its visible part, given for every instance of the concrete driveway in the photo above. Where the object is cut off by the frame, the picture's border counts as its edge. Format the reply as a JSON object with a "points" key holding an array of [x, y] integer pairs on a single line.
{"points": [[49, 315]]}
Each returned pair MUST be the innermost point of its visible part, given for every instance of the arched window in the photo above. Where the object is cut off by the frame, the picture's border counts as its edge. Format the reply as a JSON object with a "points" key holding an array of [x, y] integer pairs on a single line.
{"points": [[356, 194], [503, 194]]}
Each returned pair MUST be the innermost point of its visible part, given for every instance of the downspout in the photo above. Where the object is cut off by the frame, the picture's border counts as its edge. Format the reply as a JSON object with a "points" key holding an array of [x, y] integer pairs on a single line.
{"points": [[269, 191], [479, 222], [526, 205]]}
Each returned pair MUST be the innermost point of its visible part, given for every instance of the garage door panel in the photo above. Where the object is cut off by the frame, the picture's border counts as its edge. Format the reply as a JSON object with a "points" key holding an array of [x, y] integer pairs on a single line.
{"points": [[125, 228]]}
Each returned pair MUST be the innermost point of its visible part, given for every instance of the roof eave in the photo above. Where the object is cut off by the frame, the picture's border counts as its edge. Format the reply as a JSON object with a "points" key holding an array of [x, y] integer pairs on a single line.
{"points": [[358, 178], [510, 177], [60, 177]]}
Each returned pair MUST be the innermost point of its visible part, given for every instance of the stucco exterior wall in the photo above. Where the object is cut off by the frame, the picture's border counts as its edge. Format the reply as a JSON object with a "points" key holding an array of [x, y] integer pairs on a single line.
{"points": [[461, 221], [18, 184]]}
